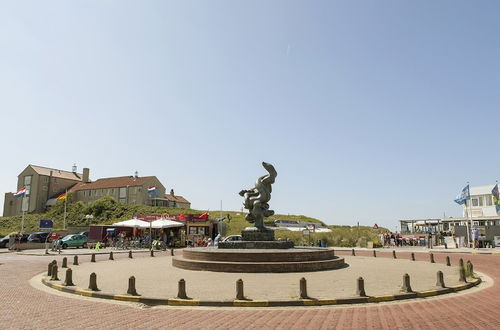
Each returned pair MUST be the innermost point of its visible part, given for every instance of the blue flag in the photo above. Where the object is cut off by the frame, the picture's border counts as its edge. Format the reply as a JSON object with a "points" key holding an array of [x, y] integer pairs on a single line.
{"points": [[463, 196]]}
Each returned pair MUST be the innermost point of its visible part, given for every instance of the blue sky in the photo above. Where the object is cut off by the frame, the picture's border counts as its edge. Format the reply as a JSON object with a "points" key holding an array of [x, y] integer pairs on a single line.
{"points": [[371, 111]]}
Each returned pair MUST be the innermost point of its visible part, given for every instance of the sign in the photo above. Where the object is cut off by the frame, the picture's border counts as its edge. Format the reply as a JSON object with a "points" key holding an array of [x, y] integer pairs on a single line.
{"points": [[497, 241], [375, 226], [46, 224], [306, 232]]}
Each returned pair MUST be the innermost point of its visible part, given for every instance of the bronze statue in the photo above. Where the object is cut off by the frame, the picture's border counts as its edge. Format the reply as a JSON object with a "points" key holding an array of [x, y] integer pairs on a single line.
{"points": [[256, 199]]}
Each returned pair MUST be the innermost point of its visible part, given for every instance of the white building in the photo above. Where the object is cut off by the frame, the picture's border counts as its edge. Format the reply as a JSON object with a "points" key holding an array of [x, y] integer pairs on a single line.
{"points": [[481, 202]]}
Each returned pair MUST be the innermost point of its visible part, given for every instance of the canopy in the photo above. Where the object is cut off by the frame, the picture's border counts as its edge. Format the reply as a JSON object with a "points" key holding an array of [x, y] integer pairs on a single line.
{"points": [[164, 223], [134, 223]]}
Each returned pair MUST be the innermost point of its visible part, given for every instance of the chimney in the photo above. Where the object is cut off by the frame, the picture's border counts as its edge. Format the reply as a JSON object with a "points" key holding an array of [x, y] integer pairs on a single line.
{"points": [[136, 174], [171, 192], [73, 168], [86, 173]]}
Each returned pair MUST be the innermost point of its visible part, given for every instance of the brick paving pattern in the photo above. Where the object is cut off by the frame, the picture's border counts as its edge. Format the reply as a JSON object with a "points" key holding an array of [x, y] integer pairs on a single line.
{"points": [[24, 307]]}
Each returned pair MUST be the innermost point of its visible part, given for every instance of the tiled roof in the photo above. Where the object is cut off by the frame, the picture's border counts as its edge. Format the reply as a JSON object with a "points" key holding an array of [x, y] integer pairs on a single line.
{"points": [[121, 181], [176, 198], [57, 173]]}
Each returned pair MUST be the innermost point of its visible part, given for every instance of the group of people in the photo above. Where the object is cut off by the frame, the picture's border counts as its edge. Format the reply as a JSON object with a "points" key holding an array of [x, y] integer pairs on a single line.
{"points": [[396, 240]]}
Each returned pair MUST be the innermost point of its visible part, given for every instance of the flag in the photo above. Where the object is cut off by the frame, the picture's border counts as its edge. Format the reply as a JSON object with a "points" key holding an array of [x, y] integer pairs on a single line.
{"points": [[61, 196], [496, 199], [20, 193], [152, 191], [203, 216], [495, 194], [463, 196]]}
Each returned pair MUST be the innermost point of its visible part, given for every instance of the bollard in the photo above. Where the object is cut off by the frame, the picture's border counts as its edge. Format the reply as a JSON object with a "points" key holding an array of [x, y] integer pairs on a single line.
{"points": [[353, 252], [54, 273], [448, 261], [406, 284], [461, 263], [131, 286], [49, 268], [92, 259], [75, 261], [360, 291], [440, 279], [394, 254], [412, 256], [333, 252], [130, 254], [172, 252], [93, 282], [303, 288], [431, 258], [470, 269], [374, 253], [152, 253], [46, 251], [239, 290], [65, 263], [111, 256], [181, 292], [68, 281], [462, 275]]}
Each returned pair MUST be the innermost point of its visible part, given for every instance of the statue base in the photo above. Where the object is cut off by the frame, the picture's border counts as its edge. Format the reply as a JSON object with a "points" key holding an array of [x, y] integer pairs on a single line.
{"points": [[257, 234], [260, 245]]}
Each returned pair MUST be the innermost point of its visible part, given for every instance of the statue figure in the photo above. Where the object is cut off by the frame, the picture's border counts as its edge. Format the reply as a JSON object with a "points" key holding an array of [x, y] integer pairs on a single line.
{"points": [[256, 199]]}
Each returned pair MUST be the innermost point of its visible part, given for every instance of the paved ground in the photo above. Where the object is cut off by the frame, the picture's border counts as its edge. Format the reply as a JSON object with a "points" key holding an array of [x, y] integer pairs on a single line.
{"points": [[25, 307], [157, 278]]}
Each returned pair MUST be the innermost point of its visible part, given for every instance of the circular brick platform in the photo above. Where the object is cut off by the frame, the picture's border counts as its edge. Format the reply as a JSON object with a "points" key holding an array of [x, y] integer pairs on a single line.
{"points": [[258, 261]]}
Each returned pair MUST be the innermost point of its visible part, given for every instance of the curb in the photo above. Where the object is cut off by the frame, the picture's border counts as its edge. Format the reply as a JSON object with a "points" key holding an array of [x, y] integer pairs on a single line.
{"points": [[259, 303]]}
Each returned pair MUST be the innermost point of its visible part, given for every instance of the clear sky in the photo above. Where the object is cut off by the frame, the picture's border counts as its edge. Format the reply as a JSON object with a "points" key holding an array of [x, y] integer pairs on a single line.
{"points": [[371, 111]]}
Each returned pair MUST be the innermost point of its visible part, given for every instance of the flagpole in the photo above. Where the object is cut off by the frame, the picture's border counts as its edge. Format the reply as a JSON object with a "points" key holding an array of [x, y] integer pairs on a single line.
{"points": [[23, 211], [64, 219], [470, 217]]}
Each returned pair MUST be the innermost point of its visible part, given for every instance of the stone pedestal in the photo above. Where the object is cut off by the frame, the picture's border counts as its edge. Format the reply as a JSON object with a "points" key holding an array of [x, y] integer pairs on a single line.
{"points": [[257, 234]]}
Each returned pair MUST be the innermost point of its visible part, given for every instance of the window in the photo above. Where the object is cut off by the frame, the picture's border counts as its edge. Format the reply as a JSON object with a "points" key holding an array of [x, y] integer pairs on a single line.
{"points": [[488, 201], [123, 192], [27, 180], [480, 200], [45, 179], [475, 202]]}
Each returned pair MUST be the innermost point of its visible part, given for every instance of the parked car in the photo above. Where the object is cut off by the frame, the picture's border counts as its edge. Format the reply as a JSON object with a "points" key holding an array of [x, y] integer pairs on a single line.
{"points": [[84, 233], [24, 238], [74, 240], [4, 241], [232, 238], [39, 237]]}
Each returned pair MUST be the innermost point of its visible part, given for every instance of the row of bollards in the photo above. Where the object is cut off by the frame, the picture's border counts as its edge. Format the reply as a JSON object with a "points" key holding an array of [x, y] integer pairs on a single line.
{"points": [[181, 292], [412, 256]]}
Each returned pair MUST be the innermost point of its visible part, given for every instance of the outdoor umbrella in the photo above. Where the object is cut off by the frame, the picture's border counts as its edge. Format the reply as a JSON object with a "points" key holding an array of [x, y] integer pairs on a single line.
{"points": [[164, 223], [134, 223]]}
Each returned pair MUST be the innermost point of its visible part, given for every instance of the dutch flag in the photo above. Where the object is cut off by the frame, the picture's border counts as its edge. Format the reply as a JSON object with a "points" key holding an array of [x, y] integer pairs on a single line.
{"points": [[151, 189], [20, 193]]}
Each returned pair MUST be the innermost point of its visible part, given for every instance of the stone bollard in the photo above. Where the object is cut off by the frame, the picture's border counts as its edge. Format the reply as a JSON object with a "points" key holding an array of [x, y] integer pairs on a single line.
{"points": [[353, 252], [448, 261], [92, 258], [54, 273], [111, 256], [406, 284], [303, 288], [49, 268], [65, 263], [131, 286], [462, 275], [394, 254], [461, 263], [470, 269], [440, 279], [93, 282], [431, 258], [412, 256], [75, 261], [239, 290], [181, 292], [172, 252], [360, 291], [152, 253], [374, 253], [130, 254], [68, 281]]}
